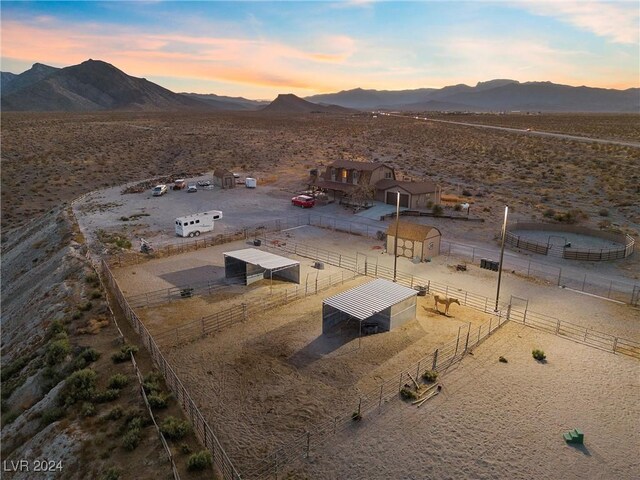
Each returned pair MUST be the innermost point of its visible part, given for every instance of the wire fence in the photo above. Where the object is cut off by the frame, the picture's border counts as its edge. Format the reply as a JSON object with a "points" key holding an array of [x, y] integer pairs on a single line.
{"points": [[203, 431], [594, 284]]}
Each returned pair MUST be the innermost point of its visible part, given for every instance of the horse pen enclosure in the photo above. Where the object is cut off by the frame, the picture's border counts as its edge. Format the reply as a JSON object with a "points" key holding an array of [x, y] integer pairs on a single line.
{"points": [[258, 373]]}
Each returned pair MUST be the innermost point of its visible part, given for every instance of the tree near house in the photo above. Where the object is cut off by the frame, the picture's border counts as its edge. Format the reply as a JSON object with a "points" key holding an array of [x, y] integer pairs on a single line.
{"points": [[361, 195]]}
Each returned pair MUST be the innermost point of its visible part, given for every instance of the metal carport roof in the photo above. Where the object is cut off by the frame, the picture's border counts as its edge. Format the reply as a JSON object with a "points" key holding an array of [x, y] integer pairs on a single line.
{"points": [[368, 299], [262, 259]]}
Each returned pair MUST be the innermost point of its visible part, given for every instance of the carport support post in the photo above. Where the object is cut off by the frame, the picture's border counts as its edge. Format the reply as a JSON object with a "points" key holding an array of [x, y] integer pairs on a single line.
{"points": [[395, 239], [466, 345]]}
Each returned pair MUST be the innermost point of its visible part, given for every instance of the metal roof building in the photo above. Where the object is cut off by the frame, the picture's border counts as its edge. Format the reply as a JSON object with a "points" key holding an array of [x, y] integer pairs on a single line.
{"points": [[379, 305], [256, 265]]}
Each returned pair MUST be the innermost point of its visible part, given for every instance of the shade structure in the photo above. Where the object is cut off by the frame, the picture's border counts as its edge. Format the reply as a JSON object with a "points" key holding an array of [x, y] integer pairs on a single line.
{"points": [[379, 303], [256, 265]]}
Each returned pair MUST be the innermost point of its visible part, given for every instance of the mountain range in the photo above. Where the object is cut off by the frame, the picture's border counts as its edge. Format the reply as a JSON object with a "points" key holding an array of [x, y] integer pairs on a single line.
{"points": [[96, 85]]}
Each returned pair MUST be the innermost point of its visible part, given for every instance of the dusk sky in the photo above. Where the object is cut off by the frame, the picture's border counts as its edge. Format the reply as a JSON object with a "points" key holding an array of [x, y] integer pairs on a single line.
{"points": [[260, 49]]}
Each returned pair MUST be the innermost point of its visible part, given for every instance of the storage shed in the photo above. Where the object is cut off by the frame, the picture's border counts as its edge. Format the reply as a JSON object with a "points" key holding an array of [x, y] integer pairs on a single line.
{"points": [[414, 240], [223, 178], [380, 304], [254, 265]]}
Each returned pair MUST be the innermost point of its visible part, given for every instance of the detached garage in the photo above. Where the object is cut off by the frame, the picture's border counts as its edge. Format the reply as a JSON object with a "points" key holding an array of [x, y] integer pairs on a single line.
{"points": [[379, 304], [254, 265], [414, 240]]}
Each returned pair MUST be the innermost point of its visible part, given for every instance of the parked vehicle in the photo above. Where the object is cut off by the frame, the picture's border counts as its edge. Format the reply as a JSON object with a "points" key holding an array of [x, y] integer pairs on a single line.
{"points": [[197, 223], [204, 183], [303, 201], [192, 188], [179, 184], [250, 182], [159, 190]]}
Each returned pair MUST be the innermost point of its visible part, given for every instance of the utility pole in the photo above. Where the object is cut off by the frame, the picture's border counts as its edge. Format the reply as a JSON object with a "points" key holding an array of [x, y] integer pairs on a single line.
{"points": [[395, 239], [504, 234]]}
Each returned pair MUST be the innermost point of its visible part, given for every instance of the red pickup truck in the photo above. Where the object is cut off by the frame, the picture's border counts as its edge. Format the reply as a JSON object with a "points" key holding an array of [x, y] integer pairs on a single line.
{"points": [[303, 201]]}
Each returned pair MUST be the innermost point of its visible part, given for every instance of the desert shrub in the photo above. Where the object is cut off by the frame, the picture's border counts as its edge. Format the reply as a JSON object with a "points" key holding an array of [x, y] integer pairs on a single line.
{"points": [[124, 354], [118, 381], [356, 416], [430, 376], [14, 367], [429, 204], [185, 448], [111, 474], [152, 383], [549, 213], [87, 409], [58, 350], [92, 279], [51, 415], [114, 414], [76, 316], [56, 327], [437, 210], [88, 355], [466, 193], [502, 360], [131, 439], [85, 306], [457, 207], [175, 428], [95, 294], [108, 395], [199, 461], [538, 354], [80, 385], [603, 212], [9, 417], [408, 394], [158, 400]]}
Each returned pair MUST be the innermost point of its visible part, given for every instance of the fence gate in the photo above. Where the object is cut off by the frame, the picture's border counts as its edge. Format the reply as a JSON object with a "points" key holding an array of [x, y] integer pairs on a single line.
{"points": [[518, 308]]}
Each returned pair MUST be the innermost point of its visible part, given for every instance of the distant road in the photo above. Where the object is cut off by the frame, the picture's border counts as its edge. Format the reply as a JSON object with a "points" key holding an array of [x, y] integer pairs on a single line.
{"points": [[527, 132]]}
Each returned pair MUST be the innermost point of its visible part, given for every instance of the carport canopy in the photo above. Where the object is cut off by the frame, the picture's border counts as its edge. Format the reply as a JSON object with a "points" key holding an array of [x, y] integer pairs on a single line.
{"points": [[253, 263], [366, 300]]}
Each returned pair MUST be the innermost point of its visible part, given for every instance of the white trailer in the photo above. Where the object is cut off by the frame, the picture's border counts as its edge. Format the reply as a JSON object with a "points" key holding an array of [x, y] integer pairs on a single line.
{"points": [[250, 182], [197, 223]]}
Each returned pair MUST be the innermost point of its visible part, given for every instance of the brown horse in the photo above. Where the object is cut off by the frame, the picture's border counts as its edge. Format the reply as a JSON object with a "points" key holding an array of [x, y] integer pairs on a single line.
{"points": [[446, 302]]}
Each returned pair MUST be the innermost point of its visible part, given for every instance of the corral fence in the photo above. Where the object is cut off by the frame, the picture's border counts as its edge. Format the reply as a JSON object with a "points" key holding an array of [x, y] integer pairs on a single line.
{"points": [[373, 400], [215, 322], [594, 284], [589, 283], [140, 378], [625, 247], [577, 333], [478, 302], [203, 431]]}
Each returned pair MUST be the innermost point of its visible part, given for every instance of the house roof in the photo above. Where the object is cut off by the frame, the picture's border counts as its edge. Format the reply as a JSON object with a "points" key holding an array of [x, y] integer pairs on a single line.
{"points": [[220, 172], [414, 188], [368, 299], [411, 231], [352, 165], [262, 259]]}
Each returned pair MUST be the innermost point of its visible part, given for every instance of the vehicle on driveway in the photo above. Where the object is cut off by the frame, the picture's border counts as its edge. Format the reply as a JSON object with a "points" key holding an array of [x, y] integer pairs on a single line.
{"points": [[303, 201], [159, 190], [179, 184], [204, 183], [192, 188]]}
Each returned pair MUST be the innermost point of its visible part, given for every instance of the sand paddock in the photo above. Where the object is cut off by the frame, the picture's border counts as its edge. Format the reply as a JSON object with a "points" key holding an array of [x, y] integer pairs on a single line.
{"points": [[265, 381], [495, 420]]}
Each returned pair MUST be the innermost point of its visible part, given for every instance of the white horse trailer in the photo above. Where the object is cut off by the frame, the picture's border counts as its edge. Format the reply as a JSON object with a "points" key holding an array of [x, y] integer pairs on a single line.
{"points": [[197, 223]]}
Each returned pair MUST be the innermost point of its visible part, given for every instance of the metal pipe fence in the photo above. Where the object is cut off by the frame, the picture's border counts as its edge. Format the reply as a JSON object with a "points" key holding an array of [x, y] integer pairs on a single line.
{"points": [[201, 428], [372, 400]]}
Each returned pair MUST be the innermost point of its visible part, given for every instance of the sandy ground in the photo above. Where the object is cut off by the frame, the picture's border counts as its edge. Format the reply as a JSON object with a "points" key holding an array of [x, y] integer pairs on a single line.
{"points": [[265, 381], [495, 420]]}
